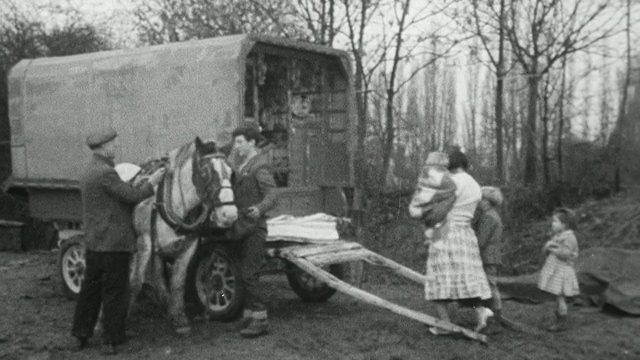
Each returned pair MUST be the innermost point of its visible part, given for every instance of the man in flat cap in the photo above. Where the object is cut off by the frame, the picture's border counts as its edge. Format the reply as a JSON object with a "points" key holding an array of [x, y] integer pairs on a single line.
{"points": [[107, 204], [253, 186]]}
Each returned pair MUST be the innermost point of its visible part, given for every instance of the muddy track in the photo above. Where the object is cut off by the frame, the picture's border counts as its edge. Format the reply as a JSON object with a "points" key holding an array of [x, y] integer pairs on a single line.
{"points": [[36, 320]]}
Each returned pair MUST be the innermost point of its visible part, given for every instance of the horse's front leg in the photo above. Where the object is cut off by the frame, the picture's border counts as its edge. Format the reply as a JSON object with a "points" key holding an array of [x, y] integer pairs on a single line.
{"points": [[178, 281], [139, 264]]}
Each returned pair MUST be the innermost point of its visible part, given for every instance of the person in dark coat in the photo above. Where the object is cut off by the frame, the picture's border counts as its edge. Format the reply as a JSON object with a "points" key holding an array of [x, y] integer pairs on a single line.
{"points": [[488, 227], [107, 204], [253, 186]]}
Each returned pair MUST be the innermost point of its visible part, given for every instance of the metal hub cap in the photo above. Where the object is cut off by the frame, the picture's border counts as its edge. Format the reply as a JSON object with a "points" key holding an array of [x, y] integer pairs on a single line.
{"points": [[215, 283]]}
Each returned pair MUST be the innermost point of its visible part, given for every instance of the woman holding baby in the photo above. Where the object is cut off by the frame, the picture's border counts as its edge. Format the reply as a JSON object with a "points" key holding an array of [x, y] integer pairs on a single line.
{"points": [[454, 266]]}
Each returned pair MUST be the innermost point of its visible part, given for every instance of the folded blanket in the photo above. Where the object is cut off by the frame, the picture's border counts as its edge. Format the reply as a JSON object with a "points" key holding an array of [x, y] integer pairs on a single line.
{"points": [[316, 227]]}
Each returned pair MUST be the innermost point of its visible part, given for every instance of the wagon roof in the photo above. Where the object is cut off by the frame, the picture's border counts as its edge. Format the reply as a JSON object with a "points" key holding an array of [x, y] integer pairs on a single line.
{"points": [[233, 46], [156, 97]]}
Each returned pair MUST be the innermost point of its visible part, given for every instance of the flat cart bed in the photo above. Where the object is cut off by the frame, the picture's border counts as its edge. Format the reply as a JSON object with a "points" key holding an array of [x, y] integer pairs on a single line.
{"points": [[311, 255]]}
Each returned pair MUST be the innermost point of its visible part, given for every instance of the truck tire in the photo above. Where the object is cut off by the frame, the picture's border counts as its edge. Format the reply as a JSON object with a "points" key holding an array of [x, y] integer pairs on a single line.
{"points": [[71, 266], [307, 287], [213, 284]]}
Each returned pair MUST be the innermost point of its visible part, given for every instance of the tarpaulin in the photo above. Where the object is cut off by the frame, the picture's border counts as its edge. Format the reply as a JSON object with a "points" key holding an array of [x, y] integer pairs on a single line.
{"points": [[611, 276]]}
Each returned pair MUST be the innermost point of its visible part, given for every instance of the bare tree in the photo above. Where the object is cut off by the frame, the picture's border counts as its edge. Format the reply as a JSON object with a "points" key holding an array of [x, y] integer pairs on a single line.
{"points": [[471, 111], [541, 33], [621, 126], [489, 22], [320, 19], [396, 49], [562, 117], [162, 21]]}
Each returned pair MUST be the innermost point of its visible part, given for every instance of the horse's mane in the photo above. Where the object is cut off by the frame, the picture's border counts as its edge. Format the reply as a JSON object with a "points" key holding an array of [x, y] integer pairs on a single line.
{"points": [[172, 157]]}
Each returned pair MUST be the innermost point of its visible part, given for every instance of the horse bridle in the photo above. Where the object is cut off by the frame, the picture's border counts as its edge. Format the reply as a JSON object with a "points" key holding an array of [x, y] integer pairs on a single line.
{"points": [[224, 174], [164, 192]]}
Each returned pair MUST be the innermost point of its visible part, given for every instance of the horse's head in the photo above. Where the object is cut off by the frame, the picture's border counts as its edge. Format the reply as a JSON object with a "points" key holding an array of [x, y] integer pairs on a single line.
{"points": [[212, 180]]}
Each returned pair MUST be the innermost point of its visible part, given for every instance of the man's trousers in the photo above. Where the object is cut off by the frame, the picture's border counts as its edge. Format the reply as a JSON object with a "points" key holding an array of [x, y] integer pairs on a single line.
{"points": [[106, 283], [252, 258]]}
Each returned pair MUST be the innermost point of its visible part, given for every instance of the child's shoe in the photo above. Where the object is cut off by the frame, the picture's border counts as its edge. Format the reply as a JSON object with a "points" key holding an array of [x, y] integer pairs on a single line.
{"points": [[483, 315], [494, 324], [560, 323]]}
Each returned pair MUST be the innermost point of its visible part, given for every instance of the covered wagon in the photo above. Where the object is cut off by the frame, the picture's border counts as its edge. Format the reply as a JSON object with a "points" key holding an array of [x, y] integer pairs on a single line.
{"points": [[161, 97]]}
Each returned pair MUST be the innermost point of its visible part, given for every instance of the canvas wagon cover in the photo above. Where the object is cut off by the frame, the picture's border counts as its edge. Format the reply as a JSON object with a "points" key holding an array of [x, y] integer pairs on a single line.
{"points": [[157, 98]]}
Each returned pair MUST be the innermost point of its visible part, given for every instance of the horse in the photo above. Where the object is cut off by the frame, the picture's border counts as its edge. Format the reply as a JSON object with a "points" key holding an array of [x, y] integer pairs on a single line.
{"points": [[197, 175]]}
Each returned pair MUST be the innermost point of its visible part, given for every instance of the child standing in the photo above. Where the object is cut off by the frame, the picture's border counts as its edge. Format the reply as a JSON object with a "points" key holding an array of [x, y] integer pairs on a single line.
{"points": [[488, 227], [558, 276]]}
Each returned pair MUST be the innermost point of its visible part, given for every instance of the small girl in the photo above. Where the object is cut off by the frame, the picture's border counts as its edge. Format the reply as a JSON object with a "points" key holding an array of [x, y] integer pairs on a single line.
{"points": [[558, 276]]}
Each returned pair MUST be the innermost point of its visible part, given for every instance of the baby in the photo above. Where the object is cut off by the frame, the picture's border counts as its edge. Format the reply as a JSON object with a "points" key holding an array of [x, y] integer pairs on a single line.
{"points": [[435, 193]]}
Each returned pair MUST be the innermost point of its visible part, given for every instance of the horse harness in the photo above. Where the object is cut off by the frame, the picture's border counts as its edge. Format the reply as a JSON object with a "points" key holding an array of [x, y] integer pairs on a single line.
{"points": [[203, 179]]}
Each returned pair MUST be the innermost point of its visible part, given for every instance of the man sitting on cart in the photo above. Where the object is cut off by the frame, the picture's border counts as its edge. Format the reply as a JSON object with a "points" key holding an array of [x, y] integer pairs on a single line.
{"points": [[253, 186]]}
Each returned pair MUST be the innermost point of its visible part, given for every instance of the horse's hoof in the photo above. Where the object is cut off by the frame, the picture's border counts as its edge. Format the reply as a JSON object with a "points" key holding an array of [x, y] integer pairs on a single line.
{"points": [[183, 331]]}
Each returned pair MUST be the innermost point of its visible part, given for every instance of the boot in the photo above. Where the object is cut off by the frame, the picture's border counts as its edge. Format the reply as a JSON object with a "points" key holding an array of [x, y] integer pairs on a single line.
{"points": [[483, 315], [560, 323], [82, 343], [494, 324], [247, 316], [258, 326]]}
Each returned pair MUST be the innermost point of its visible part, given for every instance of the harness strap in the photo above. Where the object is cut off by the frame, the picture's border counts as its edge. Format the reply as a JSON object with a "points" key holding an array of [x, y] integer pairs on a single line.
{"points": [[154, 237], [163, 201], [226, 203], [160, 206]]}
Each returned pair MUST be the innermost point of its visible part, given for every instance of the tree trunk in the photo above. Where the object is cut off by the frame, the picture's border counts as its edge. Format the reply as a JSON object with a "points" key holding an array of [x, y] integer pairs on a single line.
{"points": [[389, 134], [530, 131], [499, 100], [545, 141], [622, 128], [563, 88], [332, 31]]}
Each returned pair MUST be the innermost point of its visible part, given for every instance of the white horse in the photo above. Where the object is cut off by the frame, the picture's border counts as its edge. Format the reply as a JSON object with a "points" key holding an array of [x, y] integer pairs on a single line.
{"points": [[197, 175]]}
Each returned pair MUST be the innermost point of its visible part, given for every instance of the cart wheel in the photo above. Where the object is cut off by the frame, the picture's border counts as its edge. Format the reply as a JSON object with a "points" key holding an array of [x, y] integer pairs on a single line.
{"points": [[71, 263], [309, 288], [214, 277]]}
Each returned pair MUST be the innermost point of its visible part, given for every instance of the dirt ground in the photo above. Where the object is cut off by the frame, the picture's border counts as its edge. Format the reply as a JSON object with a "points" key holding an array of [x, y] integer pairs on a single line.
{"points": [[35, 324]]}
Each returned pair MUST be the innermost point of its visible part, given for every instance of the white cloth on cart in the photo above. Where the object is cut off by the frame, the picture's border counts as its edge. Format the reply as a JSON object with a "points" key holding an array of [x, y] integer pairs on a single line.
{"points": [[318, 227]]}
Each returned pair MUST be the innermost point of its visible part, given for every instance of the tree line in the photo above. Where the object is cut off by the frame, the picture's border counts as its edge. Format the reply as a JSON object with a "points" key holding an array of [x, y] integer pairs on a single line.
{"points": [[520, 112]]}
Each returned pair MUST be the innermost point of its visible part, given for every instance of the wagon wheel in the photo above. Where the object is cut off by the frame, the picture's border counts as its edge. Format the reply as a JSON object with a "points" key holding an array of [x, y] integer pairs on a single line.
{"points": [[215, 278], [72, 265], [307, 287]]}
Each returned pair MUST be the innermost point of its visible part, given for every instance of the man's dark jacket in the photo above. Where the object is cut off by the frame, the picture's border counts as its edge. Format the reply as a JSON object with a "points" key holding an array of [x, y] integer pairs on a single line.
{"points": [[107, 204], [254, 186]]}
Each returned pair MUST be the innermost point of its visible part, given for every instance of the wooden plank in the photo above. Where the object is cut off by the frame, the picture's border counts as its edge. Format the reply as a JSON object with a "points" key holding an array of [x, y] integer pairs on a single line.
{"points": [[377, 301], [9, 223], [338, 257], [333, 250], [397, 268], [304, 251]]}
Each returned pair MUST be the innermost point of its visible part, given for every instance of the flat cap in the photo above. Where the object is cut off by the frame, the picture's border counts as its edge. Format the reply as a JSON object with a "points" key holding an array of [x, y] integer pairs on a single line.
{"points": [[251, 130], [100, 137], [493, 195]]}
